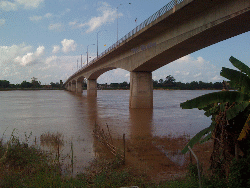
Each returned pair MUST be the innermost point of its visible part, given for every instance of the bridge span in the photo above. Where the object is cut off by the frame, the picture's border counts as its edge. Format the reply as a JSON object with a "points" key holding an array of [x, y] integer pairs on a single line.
{"points": [[178, 29]]}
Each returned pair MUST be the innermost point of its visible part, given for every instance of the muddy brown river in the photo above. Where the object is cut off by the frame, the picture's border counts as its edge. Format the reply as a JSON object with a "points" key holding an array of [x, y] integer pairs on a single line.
{"points": [[33, 113]]}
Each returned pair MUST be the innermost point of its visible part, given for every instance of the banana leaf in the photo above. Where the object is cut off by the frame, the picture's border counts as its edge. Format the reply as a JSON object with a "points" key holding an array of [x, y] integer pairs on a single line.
{"points": [[206, 138], [245, 129], [211, 111], [237, 78], [197, 137], [216, 97], [234, 111], [239, 65]]}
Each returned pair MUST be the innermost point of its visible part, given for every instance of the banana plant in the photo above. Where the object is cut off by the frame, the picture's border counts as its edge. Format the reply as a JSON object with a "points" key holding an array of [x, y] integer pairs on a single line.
{"points": [[229, 110]]}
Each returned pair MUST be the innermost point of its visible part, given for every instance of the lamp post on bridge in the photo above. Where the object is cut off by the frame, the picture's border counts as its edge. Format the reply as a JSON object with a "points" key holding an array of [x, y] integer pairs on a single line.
{"points": [[97, 41], [117, 18], [88, 54]]}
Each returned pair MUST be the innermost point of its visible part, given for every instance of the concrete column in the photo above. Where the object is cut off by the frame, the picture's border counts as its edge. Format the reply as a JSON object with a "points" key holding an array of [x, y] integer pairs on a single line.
{"points": [[78, 87], [69, 87], [73, 87], [141, 90], [91, 88]]}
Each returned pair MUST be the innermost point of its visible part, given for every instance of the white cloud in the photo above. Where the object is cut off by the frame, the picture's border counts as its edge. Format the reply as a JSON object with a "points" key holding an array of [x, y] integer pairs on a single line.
{"points": [[39, 51], [8, 6], [56, 49], [197, 75], [72, 23], [29, 3], [31, 58], [68, 45], [38, 18], [14, 61], [107, 15], [35, 18], [56, 26], [2, 22], [9, 53], [48, 15], [188, 69], [50, 59], [14, 5], [120, 76]]}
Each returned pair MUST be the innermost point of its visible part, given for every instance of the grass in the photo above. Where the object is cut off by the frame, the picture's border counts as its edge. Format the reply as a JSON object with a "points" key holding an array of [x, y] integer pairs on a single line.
{"points": [[23, 165]]}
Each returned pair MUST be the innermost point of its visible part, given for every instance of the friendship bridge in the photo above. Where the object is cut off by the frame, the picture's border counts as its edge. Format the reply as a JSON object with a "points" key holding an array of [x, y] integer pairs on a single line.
{"points": [[178, 29]]}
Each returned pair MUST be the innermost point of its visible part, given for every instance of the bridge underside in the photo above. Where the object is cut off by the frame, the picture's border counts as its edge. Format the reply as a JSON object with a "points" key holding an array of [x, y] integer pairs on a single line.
{"points": [[188, 27]]}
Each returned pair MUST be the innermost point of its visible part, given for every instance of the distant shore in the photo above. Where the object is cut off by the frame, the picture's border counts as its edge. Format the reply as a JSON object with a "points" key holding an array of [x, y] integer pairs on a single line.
{"points": [[10, 89]]}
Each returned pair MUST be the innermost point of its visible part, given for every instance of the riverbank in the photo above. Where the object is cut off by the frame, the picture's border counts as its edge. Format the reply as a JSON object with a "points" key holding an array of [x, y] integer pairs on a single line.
{"points": [[23, 165], [27, 89]]}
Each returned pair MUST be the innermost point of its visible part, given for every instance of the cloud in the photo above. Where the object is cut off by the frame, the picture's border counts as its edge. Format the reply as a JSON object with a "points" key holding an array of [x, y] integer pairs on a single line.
{"points": [[2, 22], [73, 23], [50, 59], [120, 76], [14, 61], [36, 18], [28, 4], [9, 53], [68, 45], [48, 15], [196, 75], [107, 15], [56, 49], [8, 6], [13, 6], [188, 69], [31, 58]]}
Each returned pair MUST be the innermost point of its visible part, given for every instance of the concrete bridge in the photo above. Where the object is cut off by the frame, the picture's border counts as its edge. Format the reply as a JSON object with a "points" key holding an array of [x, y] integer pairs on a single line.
{"points": [[178, 29]]}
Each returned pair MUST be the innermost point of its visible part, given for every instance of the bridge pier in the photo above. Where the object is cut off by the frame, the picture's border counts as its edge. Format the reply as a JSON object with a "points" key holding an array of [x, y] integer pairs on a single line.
{"points": [[141, 90], [73, 86], [91, 88], [78, 87]]}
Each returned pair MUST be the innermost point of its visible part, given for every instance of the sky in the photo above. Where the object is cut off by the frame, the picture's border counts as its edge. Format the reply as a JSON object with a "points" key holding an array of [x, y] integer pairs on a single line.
{"points": [[46, 38]]}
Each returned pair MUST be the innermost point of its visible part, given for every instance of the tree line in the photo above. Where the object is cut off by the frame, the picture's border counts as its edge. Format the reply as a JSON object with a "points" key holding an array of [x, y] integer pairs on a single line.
{"points": [[168, 83], [34, 83]]}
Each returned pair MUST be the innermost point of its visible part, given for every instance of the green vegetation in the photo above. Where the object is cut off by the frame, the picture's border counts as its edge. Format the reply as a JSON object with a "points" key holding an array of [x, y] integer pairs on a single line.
{"points": [[230, 125], [4, 84], [34, 84], [24, 165], [170, 83]]}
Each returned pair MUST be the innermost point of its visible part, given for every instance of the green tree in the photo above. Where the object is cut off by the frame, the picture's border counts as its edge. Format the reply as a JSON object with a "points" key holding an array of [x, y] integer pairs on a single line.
{"points": [[25, 84], [170, 81], [229, 111], [4, 83], [35, 83]]}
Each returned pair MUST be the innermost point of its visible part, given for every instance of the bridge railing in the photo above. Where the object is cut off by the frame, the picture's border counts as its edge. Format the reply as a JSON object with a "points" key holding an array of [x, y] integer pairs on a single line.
{"points": [[152, 18]]}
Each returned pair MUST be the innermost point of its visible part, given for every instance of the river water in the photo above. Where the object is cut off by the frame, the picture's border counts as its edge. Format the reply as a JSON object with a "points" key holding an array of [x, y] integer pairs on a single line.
{"points": [[74, 117]]}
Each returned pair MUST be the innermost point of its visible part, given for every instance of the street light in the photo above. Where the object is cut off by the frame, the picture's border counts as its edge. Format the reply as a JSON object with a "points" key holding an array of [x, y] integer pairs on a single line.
{"points": [[117, 18], [88, 53], [97, 41]]}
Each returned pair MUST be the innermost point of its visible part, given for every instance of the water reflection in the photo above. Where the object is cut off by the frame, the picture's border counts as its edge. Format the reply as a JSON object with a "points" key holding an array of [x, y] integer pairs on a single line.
{"points": [[140, 123]]}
